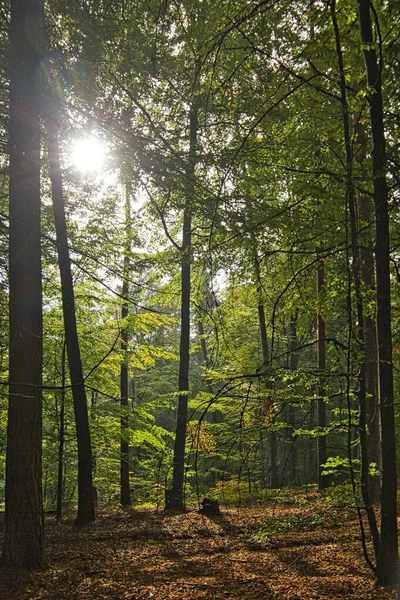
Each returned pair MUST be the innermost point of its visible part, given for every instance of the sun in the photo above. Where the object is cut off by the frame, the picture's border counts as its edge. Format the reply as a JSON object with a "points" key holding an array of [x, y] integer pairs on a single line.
{"points": [[88, 155]]}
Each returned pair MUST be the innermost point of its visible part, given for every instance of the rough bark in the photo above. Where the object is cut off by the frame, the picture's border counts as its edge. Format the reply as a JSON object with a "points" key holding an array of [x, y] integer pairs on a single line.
{"points": [[387, 560], [86, 506], [24, 525]]}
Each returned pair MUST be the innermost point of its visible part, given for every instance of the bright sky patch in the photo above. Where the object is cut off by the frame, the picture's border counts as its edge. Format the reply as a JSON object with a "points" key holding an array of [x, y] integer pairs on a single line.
{"points": [[88, 155]]}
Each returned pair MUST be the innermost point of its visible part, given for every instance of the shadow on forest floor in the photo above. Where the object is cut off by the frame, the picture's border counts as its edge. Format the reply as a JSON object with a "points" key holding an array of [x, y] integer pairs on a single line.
{"points": [[280, 552]]}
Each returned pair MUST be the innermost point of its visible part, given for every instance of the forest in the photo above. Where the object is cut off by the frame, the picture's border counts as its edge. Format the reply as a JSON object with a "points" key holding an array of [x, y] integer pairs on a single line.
{"points": [[199, 299]]}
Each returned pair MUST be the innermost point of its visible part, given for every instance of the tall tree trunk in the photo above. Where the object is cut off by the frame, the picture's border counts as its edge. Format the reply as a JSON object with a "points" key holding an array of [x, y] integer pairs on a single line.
{"points": [[312, 462], [367, 277], [176, 500], [322, 454], [124, 374], [356, 277], [387, 560], [291, 410], [274, 481], [86, 506], [24, 525], [61, 439]]}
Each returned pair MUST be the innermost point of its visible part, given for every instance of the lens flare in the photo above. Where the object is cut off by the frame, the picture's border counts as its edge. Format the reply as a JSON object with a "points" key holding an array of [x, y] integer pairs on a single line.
{"points": [[88, 155]]}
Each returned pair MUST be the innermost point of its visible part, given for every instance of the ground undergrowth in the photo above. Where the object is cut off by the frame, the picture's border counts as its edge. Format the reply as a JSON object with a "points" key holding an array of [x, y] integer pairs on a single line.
{"points": [[282, 551]]}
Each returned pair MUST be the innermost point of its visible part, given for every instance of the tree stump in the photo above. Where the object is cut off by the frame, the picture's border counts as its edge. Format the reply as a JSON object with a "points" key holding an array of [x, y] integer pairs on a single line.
{"points": [[210, 507]]}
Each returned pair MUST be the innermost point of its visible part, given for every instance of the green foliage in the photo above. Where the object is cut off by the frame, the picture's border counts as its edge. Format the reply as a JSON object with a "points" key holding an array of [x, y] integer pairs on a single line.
{"points": [[293, 522], [336, 465], [343, 496], [235, 491], [269, 194]]}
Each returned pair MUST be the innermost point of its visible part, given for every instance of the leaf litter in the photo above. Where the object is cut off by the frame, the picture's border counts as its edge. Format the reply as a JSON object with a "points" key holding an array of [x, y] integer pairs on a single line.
{"points": [[276, 551]]}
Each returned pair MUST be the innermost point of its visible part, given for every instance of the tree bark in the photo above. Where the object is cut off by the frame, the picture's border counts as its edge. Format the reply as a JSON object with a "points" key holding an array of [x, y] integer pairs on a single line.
{"points": [[367, 277], [86, 505], [356, 277], [274, 480], [294, 357], [387, 560], [24, 524], [206, 305], [204, 356], [61, 439], [124, 375], [176, 499], [322, 454]]}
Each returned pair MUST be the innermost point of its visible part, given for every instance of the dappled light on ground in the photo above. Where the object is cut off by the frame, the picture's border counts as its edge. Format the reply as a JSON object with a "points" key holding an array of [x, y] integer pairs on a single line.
{"points": [[298, 551]]}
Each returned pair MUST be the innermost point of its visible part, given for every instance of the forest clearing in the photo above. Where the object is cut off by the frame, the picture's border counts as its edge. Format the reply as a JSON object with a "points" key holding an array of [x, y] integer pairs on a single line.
{"points": [[299, 548]]}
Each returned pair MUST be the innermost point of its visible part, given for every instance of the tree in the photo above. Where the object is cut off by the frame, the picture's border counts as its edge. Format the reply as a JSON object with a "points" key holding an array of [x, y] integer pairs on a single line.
{"points": [[86, 508], [387, 559], [61, 440], [365, 211], [273, 442], [321, 359], [355, 274], [176, 496], [124, 373], [24, 525]]}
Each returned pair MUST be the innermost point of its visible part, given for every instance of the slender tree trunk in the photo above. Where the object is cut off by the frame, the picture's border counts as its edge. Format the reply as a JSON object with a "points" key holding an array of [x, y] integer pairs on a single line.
{"points": [[356, 271], [322, 454], [204, 355], [367, 277], [387, 560], [312, 463], [86, 508], [92, 420], [176, 494], [274, 480], [24, 525], [203, 345], [124, 375], [61, 439], [291, 410], [371, 371]]}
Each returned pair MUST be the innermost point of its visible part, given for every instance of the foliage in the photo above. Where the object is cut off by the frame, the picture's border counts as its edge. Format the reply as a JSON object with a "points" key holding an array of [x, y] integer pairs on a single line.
{"points": [[270, 201]]}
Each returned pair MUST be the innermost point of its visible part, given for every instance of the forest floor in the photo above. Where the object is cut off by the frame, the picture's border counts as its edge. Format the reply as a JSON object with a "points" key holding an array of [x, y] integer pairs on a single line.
{"points": [[282, 551]]}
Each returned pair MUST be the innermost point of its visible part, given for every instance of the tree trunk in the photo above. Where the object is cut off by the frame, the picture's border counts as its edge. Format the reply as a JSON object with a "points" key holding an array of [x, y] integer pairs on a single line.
{"points": [[24, 525], [176, 494], [124, 375], [204, 355], [61, 439], [373, 441], [291, 410], [86, 508], [356, 277], [322, 454], [367, 277], [274, 480], [387, 560]]}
